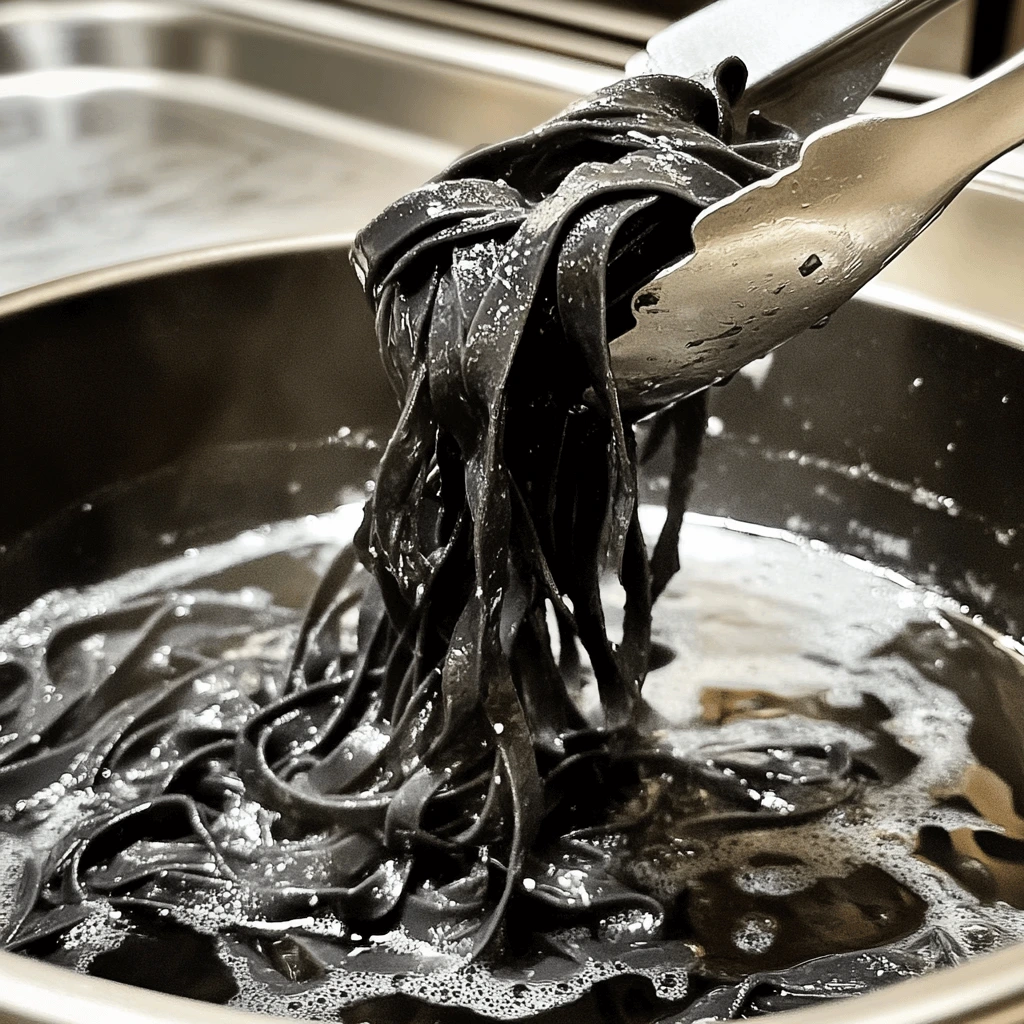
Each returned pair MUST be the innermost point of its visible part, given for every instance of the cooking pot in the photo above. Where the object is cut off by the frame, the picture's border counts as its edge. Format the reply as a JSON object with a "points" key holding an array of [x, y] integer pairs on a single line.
{"points": [[890, 435]]}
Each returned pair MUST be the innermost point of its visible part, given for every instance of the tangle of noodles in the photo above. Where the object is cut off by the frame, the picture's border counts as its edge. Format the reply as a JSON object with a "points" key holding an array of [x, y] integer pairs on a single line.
{"points": [[430, 775], [510, 482]]}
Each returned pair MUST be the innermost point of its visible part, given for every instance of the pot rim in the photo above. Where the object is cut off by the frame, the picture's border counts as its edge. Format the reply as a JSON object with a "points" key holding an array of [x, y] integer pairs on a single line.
{"points": [[878, 293], [988, 987], [99, 278]]}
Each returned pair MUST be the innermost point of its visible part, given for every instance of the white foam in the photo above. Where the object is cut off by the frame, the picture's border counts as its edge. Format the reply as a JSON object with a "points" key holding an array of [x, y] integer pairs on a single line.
{"points": [[754, 608]]}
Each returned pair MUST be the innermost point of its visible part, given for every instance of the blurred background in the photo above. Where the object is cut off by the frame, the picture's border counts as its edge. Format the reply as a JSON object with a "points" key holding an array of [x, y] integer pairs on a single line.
{"points": [[967, 39], [137, 132]]}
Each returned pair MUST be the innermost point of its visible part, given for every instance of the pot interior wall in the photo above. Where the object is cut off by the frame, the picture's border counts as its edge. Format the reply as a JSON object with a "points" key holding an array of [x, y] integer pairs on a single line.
{"points": [[891, 437]]}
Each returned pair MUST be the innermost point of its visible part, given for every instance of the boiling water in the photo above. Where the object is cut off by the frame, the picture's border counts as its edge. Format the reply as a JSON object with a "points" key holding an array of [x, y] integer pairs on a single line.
{"points": [[763, 640]]}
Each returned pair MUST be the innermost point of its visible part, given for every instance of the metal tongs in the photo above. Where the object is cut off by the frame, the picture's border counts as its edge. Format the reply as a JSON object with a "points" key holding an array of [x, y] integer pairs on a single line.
{"points": [[782, 254]]}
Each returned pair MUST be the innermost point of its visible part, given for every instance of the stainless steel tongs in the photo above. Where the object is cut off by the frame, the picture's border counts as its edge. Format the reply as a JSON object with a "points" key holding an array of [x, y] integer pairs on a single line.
{"points": [[781, 255]]}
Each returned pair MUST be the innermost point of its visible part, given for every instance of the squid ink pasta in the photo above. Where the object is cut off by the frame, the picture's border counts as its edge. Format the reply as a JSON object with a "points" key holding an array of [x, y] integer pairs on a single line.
{"points": [[510, 482], [404, 769]]}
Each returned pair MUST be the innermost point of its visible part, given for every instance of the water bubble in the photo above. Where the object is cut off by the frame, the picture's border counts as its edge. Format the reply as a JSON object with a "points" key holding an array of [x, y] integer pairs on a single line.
{"points": [[755, 933]]}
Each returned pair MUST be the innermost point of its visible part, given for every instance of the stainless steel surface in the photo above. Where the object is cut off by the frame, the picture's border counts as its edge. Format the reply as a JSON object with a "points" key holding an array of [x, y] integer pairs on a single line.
{"points": [[944, 43], [137, 130], [590, 31], [963, 269], [783, 254], [367, 105], [624, 21], [840, 49], [1016, 39], [279, 348]]}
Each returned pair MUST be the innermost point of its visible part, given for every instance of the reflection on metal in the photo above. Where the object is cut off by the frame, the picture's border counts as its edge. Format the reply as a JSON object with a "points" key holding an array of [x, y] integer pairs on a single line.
{"points": [[186, 128], [963, 268], [589, 31], [100, 277], [1016, 39], [944, 44], [782, 255], [132, 130], [909, 84], [625, 21]]}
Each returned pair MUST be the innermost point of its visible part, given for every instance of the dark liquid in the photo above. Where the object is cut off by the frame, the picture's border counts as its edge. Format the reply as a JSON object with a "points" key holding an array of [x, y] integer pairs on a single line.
{"points": [[748, 891], [165, 957]]}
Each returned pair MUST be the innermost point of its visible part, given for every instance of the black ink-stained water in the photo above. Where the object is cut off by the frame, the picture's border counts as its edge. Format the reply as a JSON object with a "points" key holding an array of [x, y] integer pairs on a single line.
{"points": [[830, 801]]}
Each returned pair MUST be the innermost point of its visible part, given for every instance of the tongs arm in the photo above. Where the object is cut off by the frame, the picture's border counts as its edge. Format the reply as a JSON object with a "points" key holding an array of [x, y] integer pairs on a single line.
{"points": [[809, 62], [782, 254]]}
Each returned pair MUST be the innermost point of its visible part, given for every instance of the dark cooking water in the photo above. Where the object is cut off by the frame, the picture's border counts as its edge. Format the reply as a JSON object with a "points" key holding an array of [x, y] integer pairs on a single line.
{"points": [[906, 840]]}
